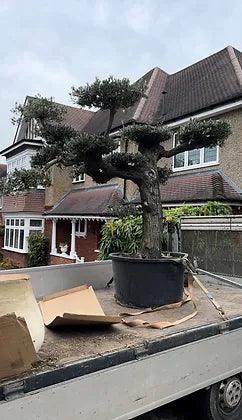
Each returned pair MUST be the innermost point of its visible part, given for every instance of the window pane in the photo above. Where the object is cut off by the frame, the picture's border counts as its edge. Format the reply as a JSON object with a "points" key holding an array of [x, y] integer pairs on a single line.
{"points": [[21, 239], [179, 160], [16, 236], [7, 221], [22, 222], [82, 225], [17, 222], [194, 157], [6, 237], [77, 226], [210, 154], [12, 222], [11, 238], [35, 223]]}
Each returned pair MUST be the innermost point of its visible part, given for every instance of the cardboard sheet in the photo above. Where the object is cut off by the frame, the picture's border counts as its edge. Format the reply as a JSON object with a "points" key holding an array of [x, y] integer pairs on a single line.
{"points": [[77, 306], [17, 353]]}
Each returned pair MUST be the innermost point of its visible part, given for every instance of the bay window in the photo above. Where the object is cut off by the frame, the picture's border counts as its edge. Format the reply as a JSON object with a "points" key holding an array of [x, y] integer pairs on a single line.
{"points": [[17, 231], [197, 158]]}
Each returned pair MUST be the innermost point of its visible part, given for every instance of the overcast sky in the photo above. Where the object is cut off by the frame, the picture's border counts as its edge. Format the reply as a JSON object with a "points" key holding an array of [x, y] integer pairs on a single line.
{"points": [[49, 45]]}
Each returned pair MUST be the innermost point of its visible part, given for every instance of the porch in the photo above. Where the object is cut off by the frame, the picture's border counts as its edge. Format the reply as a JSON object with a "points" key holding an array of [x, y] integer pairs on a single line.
{"points": [[73, 238], [74, 224]]}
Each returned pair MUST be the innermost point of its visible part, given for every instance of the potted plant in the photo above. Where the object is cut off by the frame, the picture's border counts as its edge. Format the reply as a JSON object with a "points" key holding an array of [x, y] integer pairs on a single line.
{"points": [[148, 278]]}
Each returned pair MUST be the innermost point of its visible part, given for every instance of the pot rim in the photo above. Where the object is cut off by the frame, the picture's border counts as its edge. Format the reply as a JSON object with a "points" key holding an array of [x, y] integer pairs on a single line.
{"points": [[116, 256]]}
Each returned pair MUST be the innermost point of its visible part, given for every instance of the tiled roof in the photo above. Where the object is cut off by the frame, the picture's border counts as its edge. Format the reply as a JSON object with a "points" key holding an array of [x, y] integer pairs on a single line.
{"points": [[75, 117], [213, 81], [93, 201], [142, 111], [209, 82], [199, 187]]}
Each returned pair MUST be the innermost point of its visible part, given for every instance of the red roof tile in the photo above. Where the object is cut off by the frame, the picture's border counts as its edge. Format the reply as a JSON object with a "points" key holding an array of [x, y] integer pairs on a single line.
{"points": [[210, 82], [199, 187], [93, 201]]}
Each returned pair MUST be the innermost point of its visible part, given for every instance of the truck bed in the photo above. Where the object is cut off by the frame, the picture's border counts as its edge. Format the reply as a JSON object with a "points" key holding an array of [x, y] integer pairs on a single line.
{"points": [[74, 352]]}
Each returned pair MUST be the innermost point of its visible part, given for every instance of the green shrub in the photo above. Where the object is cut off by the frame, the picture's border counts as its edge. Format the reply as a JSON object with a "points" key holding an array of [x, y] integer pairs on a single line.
{"points": [[121, 235], [7, 265], [211, 208], [38, 245], [124, 234]]}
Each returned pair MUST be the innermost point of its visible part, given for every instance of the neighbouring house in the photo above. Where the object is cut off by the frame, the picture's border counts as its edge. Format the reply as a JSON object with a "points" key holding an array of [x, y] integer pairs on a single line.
{"points": [[3, 173], [71, 212]]}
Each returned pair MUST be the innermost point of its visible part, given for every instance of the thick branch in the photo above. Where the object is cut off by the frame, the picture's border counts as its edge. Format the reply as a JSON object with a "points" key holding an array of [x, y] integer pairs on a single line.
{"points": [[180, 149]]}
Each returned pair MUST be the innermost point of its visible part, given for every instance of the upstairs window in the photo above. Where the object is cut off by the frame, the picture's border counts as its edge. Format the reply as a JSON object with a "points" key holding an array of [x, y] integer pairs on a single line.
{"points": [[19, 162], [192, 159]]}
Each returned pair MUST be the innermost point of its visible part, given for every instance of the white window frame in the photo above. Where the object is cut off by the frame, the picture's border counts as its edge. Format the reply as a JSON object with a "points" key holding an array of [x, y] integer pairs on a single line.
{"points": [[20, 161], [187, 167], [26, 228], [78, 232], [79, 178]]}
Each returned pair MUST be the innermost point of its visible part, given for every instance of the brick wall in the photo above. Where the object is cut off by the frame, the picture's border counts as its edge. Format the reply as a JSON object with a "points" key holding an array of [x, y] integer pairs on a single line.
{"points": [[54, 260], [61, 183], [18, 259], [85, 247], [230, 155], [33, 201], [63, 233]]}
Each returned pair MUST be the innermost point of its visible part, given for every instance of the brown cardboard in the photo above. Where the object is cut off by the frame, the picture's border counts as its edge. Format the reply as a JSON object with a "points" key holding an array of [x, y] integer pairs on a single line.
{"points": [[77, 306], [17, 353]]}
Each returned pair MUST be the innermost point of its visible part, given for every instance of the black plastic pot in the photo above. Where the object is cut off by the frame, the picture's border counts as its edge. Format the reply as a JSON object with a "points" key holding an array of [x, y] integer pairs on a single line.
{"points": [[148, 283]]}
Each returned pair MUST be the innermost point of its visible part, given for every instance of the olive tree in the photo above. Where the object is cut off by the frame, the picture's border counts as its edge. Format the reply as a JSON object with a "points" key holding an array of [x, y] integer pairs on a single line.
{"points": [[96, 155]]}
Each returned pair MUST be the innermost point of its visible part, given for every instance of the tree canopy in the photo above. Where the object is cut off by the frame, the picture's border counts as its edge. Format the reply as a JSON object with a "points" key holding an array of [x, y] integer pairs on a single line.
{"points": [[96, 155]]}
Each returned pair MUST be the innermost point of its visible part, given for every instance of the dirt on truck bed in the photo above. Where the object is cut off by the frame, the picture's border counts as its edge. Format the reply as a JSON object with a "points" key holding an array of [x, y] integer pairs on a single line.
{"points": [[64, 346], [72, 352]]}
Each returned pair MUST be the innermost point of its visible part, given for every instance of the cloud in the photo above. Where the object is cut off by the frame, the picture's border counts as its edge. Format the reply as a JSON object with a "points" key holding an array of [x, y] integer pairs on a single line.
{"points": [[62, 43]]}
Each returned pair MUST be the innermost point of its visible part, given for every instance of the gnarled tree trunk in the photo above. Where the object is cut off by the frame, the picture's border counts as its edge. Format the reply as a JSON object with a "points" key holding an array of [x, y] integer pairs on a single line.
{"points": [[152, 214]]}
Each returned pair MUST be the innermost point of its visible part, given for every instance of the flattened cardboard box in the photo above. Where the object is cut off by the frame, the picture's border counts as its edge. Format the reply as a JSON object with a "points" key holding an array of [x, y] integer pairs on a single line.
{"points": [[17, 353], [77, 306]]}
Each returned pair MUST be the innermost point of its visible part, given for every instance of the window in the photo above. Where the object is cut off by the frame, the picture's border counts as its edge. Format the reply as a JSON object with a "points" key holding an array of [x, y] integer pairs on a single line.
{"points": [[81, 227], [80, 178], [17, 232], [21, 161], [194, 158]]}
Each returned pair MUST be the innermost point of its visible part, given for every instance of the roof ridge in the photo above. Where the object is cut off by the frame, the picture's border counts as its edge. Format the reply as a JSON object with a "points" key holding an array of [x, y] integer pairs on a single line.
{"points": [[217, 185], [143, 100], [61, 104], [235, 63], [94, 187], [230, 181]]}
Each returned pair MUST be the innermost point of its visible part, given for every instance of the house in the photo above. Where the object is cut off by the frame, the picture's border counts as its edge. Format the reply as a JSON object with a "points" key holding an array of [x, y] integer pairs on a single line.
{"points": [[71, 212], [3, 173]]}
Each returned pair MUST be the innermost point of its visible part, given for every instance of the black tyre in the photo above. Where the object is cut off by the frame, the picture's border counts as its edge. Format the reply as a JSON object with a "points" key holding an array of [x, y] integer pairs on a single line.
{"points": [[222, 401]]}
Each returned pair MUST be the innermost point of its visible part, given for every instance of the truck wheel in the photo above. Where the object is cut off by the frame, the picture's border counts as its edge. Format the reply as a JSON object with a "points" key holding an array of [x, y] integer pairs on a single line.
{"points": [[222, 401]]}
